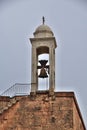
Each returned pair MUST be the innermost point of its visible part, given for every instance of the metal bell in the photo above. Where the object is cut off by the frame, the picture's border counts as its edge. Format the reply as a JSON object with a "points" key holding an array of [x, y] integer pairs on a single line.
{"points": [[43, 73]]}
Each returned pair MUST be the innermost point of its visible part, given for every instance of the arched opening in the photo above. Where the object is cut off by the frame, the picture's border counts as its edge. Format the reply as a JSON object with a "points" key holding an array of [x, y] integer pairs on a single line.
{"points": [[42, 50], [43, 83], [43, 56]]}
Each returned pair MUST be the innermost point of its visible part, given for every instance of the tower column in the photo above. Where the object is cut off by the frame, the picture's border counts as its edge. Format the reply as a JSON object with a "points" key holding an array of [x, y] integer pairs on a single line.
{"points": [[34, 83], [52, 70]]}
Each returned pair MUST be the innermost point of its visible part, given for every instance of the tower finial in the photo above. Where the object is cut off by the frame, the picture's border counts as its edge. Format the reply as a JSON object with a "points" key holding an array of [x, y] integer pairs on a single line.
{"points": [[43, 19]]}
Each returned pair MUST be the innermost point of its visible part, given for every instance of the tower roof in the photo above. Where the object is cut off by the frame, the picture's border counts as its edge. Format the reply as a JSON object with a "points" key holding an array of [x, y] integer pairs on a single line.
{"points": [[43, 27], [43, 31]]}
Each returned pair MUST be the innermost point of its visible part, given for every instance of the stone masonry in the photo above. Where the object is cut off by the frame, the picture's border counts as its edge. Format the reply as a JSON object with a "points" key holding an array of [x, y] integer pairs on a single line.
{"points": [[41, 112]]}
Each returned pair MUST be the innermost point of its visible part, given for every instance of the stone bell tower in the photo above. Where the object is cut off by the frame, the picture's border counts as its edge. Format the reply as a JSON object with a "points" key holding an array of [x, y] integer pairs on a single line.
{"points": [[43, 42]]}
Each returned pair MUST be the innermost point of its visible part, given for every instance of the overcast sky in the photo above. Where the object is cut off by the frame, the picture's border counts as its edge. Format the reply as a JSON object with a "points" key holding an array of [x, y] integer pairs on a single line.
{"points": [[68, 21]]}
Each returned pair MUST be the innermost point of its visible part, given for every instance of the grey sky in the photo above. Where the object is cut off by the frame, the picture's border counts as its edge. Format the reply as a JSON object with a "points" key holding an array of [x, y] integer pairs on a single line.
{"points": [[68, 20]]}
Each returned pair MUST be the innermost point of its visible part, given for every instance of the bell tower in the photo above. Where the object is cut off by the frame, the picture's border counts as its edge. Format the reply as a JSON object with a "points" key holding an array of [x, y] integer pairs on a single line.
{"points": [[43, 42]]}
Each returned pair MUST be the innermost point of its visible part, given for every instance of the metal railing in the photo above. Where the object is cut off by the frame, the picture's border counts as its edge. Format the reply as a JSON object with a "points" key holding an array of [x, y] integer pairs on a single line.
{"points": [[17, 90]]}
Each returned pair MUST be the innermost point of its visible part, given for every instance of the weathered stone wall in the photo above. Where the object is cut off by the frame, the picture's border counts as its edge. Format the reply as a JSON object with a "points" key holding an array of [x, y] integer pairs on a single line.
{"points": [[77, 122], [43, 112]]}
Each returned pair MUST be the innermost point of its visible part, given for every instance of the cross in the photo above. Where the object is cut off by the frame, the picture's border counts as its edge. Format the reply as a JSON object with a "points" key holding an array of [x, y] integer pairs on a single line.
{"points": [[43, 18]]}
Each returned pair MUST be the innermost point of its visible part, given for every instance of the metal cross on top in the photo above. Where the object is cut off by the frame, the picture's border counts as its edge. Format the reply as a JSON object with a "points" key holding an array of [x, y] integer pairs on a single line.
{"points": [[43, 18]]}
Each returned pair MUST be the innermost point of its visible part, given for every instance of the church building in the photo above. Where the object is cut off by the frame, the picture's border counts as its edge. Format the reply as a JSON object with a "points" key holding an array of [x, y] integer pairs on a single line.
{"points": [[41, 109]]}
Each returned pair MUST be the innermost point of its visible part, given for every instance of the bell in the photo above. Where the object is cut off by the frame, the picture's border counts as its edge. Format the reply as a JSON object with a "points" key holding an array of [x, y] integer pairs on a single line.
{"points": [[43, 73]]}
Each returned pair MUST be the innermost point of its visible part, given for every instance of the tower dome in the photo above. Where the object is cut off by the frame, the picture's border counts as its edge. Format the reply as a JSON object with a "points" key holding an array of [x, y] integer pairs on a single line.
{"points": [[43, 31]]}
